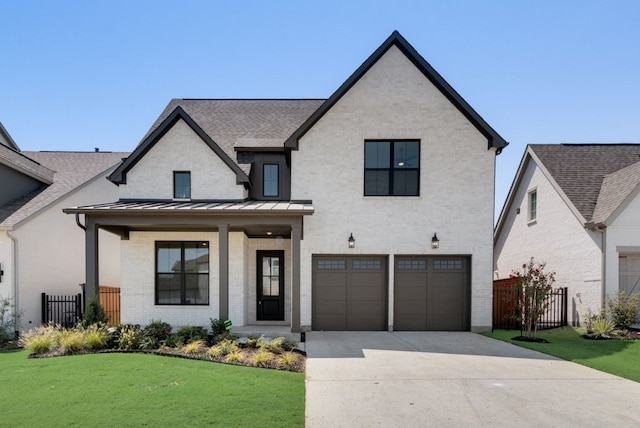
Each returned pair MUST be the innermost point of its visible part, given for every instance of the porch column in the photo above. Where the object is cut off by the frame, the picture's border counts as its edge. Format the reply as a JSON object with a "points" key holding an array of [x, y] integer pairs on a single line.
{"points": [[223, 262], [296, 233], [92, 280]]}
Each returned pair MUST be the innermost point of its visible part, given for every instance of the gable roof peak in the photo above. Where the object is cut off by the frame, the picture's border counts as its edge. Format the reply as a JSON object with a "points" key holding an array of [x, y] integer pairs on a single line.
{"points": [[494, 140]]}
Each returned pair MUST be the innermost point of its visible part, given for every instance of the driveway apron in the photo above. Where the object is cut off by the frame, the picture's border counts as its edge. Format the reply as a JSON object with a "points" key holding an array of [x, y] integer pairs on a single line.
{"points": [[439, 379]]}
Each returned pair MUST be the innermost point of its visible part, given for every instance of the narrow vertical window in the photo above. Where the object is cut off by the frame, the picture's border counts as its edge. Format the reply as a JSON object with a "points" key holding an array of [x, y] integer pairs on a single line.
{"points": [[533, 205], [182, 184], [270, 184]]}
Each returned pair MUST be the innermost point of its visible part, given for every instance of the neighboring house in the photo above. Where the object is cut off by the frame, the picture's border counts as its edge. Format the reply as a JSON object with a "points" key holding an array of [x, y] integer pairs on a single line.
{"points": [[312, 214], [41, 248], [577, 208]]}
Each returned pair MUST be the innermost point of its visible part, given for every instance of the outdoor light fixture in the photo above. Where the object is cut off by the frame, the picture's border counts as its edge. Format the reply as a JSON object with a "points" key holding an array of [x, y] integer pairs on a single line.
{"points": [[352, 241], [1, 272], [435, 242]]}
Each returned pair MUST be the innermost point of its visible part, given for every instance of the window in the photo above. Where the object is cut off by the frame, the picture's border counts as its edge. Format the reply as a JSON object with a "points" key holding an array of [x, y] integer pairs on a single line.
{"points": [[182, 273], [270, 179], [181, 184], [533, 206], [447, 264], [367, 264], [391, 168], [331, 264]]}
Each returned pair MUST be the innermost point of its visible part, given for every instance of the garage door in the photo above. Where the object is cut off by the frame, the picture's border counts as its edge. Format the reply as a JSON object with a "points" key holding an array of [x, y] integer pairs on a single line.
{"points": [[432, 293], [349, 293]]}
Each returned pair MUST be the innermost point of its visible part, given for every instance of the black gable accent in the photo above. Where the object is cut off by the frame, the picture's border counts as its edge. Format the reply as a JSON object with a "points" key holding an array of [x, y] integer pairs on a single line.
{"points": [[395, 39]]}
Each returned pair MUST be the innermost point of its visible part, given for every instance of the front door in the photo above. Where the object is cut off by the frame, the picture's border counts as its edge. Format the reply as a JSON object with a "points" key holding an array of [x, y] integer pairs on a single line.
{"points": [[270, 276]]}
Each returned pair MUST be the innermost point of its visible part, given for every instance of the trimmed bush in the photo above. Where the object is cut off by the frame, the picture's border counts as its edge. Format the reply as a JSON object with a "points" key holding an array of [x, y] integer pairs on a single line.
{"points": [[622, 308], [188, 334]]}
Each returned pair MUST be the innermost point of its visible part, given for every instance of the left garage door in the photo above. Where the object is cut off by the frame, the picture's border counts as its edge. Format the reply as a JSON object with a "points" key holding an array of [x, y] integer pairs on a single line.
{"points": [[349, 293]]}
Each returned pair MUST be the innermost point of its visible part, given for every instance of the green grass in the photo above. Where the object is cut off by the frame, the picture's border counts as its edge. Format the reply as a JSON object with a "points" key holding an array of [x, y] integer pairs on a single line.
{"points": [[144, 390], [618, 357]]}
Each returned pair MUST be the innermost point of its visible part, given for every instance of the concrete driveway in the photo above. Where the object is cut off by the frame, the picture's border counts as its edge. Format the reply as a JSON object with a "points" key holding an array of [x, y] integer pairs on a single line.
{"points": [[434, 379]]}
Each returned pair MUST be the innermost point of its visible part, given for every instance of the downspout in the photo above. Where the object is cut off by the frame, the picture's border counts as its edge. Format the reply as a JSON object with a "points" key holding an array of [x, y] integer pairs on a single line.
{"points": [[80, 224], [603, 231], [16, 306]]}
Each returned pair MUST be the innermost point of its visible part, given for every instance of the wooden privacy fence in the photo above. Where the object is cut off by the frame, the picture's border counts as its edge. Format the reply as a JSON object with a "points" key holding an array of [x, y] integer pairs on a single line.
{"points": [[62, 310], [505, 307], [110, 301]]}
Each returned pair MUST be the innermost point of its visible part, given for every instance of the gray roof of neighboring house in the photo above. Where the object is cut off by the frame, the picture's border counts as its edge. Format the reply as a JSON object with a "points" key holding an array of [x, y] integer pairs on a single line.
{"points": [[6, 140], [591, 175], [20, 162], [70, 171]]}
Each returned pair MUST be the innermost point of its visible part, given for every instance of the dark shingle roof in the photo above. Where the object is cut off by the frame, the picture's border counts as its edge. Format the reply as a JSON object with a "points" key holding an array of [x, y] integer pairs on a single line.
{"points": [[70, 171], [579, 170], [244, 123], [22, 163]]}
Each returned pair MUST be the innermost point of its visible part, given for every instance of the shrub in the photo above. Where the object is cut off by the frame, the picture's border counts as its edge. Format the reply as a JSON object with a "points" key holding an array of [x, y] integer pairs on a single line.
{"points": [[254, 341], [39, 340], [155, 334], [590, 318], [129, 336], [69, 341], [234, 357], [95, 337], [188, 334], [219, 326], [223, 348], [622, 308], [277, 345], [602, 328], [194, 347], [262, 358], [289, 359], [95, 313]]}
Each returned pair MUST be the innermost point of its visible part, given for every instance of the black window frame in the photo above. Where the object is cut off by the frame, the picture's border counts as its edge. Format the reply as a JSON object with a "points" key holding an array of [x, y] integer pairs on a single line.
{"points": [[175, 184], [264, 194], [391, 169], [183, 273]]}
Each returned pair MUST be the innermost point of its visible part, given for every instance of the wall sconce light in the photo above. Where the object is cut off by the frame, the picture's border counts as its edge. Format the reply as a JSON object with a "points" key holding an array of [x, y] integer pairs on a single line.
{"points": [[1, 272], [352, 241], [435, 242]]}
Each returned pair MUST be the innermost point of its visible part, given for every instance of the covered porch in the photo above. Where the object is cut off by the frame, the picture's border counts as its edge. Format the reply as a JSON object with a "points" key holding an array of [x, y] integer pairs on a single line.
{"points": [[238, 231]]}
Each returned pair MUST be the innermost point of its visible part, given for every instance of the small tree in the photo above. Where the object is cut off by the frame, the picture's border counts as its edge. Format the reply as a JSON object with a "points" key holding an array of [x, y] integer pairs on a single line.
{"points": [[95, 313], [9, 320], [534, 287]]}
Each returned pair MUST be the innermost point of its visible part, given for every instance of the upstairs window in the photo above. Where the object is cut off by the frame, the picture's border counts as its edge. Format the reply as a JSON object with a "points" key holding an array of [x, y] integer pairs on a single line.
{"points": [[270, 182], [533, 205], [391, 168], [181, 185]]}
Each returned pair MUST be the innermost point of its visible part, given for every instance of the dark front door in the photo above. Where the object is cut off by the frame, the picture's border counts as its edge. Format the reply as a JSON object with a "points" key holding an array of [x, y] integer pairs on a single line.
{"points": [[270, 273]]}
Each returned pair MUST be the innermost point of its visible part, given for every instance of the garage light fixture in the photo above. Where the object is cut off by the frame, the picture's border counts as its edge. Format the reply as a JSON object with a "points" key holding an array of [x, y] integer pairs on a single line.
{"points": [[435, 242], [352, 241]]}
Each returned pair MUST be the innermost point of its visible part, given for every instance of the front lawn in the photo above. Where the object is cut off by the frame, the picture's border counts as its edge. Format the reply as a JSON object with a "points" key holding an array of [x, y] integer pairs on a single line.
{"points": [[618, 357], [144, 390]]}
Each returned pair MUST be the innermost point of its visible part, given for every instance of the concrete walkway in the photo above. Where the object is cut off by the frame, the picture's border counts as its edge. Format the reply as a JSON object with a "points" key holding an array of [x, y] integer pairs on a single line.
{"points": [[434, 379]]}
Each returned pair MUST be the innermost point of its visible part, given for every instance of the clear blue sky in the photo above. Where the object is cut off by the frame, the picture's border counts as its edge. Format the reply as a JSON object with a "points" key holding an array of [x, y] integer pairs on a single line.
{"points": [[75, 75]]}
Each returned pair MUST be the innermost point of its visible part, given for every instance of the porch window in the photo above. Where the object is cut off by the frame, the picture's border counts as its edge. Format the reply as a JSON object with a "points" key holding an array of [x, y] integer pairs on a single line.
{"points": [[182, 273]]}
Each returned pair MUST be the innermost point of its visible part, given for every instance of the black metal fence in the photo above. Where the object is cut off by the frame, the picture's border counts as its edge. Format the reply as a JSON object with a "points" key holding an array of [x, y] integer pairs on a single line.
{"points": [[62, 310], [505, 307]]}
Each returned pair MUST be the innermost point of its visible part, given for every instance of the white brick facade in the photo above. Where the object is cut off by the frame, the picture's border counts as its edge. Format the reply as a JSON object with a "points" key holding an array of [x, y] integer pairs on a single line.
{"points": [[181, 149], [556, 237], [394, 100]]}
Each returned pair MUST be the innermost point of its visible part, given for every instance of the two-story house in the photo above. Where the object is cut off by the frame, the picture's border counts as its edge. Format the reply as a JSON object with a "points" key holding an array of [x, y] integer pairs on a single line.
{"points": [[370, 210], [41, 248]]}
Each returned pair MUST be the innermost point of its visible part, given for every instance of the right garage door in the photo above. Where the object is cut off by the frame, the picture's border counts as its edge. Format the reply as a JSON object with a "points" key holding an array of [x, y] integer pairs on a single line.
{"points": [[432, 293]]}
